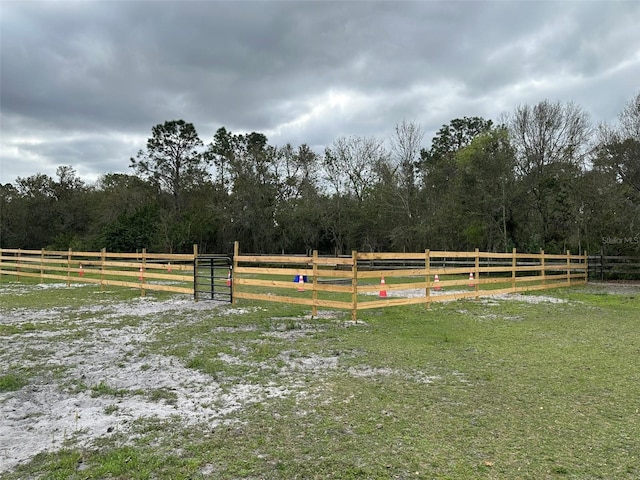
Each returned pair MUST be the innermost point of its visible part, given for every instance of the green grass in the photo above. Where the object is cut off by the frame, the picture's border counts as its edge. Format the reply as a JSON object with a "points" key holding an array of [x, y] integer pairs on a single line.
{"points": [[290, 288], [11, 382], [498, 390], [34, 294], [102, 388], [163, 395]]}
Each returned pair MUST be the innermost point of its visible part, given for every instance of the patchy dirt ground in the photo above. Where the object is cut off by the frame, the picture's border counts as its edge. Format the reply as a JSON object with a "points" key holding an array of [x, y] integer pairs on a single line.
{"points": [[80, 361], [612, 288], [419, 292], [92, 381]]}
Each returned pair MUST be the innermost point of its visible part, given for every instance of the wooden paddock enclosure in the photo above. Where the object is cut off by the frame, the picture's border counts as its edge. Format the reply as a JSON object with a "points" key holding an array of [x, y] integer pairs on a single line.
{"points": [[355, 282], [144, 271]]}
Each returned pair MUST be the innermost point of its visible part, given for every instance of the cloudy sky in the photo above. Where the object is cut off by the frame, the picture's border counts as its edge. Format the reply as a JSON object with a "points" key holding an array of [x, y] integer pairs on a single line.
{"points": [[83, 82]]}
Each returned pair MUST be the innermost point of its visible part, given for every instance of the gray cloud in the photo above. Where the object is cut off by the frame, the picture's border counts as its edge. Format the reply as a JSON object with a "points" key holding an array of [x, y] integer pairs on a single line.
{"points": [[83, 82]]}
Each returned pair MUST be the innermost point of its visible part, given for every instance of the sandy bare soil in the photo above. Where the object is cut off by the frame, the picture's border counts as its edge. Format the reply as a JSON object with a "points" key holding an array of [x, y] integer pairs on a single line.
{"points": [[52, 410], [419, 292]]}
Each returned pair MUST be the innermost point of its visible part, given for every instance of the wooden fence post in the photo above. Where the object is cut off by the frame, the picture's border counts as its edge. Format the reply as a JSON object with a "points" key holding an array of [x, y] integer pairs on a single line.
{"points": [[427, 268], [142, 272], [103, 258], [586, 267], [195, 273], [354, 285], [236, 252], [544, 281], [314, 292], [477, 273], [42, 266], [568, 268], [69, 268], [514, 264]]}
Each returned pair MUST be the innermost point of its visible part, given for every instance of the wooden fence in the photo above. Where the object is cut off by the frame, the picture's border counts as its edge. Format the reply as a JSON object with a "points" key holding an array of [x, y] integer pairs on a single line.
{"points": [[356, 282], [374, 280], [609, 267], [144, 271]]}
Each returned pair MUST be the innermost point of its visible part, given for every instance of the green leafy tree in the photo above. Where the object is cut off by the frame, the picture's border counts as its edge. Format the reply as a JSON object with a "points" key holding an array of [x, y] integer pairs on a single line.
{"points": [[41, 212], [36, 203], [297, 210], [75, 208], [222, 151], [132, 232], [118, 199], [173, 160], [247, 188], [11, 216], [441, 213], [485, 191], [458, 134]]}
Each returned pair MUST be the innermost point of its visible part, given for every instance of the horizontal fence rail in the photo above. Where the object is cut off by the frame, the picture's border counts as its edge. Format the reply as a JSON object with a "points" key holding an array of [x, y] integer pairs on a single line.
{"points": [[357, 282], [144, 271], [609, 267], [374, 280]]}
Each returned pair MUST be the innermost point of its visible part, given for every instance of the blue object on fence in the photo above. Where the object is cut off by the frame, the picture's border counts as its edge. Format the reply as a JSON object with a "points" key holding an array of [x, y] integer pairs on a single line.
{"points": [[296, 279]]}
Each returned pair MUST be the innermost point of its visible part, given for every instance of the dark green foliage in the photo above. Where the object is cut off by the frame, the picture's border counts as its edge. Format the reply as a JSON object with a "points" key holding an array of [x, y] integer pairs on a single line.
{"points": [[132, 232], [172, 160]]}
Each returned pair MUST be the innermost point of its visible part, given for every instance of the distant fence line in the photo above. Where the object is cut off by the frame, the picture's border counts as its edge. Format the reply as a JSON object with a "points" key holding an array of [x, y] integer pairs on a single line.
{"points": [[365, 280], [610, 267], [357, 282], [144, 271]]}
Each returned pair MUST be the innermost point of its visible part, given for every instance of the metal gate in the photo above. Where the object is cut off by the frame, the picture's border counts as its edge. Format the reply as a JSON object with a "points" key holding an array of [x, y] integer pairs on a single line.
{"points": [[212, 278]]}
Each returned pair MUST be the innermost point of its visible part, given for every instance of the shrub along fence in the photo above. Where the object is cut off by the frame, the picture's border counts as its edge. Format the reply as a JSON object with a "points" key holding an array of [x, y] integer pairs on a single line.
{"points": [[144, 271], [370, 280]]}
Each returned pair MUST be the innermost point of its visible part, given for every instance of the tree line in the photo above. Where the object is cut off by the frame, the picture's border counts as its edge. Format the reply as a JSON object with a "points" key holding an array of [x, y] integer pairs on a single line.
{"points": [[543, 177]]}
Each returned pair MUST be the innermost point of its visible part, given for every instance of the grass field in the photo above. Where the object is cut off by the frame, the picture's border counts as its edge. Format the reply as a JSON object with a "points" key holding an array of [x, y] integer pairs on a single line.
{"points": [[109, 385]]}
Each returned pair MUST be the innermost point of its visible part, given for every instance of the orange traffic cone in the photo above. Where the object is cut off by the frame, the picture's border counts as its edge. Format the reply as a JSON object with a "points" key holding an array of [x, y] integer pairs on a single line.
{"points": [[300, 283], [436, 280], [471, 283], [81, 271], [229, 278], [383, 289], [141, 274], [169, 267]]}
